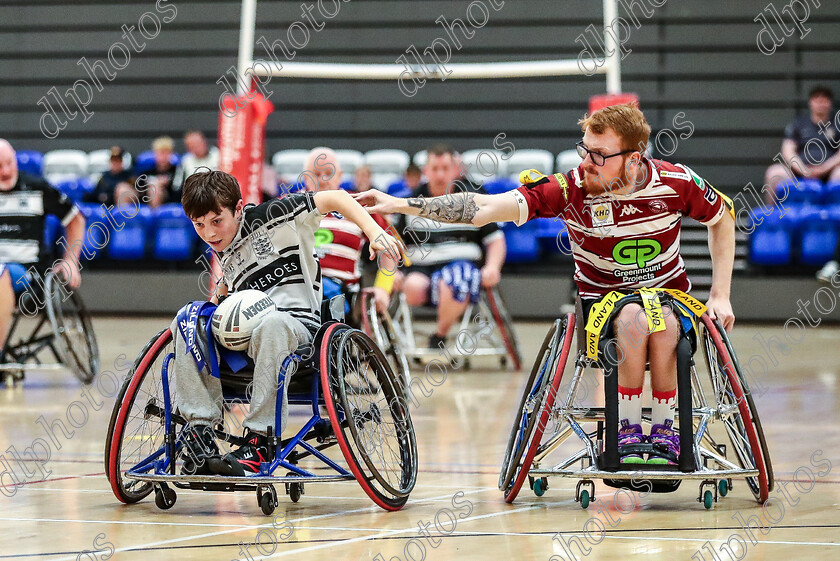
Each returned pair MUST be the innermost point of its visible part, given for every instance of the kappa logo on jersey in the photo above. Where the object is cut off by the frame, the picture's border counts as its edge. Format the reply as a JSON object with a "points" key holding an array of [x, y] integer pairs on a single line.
{"points": [[658, 206], [602, 214], [638, 252], [629, 210]]}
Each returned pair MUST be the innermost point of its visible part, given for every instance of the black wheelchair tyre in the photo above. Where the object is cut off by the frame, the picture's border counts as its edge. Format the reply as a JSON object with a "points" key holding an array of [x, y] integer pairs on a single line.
{"points": [[363, 389], [534, 390], [73, 328]]}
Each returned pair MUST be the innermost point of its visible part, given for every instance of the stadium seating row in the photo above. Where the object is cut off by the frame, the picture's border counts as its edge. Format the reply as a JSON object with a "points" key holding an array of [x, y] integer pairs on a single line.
{"points": [[59, 166], [131, 234], [808, 191], [806, 235]]}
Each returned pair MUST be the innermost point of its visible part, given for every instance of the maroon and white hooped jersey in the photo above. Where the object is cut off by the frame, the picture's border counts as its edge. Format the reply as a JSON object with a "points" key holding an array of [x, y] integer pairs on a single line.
{"points": [[623, 242], [338, 243]]}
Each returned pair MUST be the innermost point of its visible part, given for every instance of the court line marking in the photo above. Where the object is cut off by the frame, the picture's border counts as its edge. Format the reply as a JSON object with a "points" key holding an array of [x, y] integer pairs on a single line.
{"points": [[251, 528], [384, 534]]}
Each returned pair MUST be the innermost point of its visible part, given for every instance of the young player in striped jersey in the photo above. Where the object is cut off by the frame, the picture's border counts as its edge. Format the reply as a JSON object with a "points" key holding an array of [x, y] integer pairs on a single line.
{"points": [[268, 247], [623, 212]]}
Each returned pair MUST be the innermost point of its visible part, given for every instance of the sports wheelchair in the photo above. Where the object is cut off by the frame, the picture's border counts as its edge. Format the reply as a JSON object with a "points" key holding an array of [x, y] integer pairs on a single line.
{"points": [[721, 393], [486, 329], [346, 373], [60, 325]]}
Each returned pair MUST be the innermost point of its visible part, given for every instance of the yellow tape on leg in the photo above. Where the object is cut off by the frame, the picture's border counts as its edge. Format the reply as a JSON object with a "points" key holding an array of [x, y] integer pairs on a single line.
{"points": [[653, 309], [598, 316]]}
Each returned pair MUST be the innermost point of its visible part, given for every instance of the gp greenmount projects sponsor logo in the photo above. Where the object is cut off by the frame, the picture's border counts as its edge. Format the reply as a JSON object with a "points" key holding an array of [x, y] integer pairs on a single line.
{"points": [[636, 252]]}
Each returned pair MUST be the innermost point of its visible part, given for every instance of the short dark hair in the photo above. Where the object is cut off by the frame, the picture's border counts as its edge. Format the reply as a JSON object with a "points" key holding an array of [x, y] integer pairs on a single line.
{"points": [[413, 168], [820, 91], [440, 150], [209, 191]]}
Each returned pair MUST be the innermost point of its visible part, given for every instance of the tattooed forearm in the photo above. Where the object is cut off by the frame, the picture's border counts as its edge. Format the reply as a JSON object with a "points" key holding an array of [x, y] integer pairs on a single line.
{"points": [[454, 208]]}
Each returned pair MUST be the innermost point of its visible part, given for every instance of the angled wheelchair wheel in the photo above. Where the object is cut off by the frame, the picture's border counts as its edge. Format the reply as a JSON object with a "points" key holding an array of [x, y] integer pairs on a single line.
{"points": [[736, 407], [535, 406], [73, 330], [380, 328], [369, 415], [136, 430], [504, 323]]}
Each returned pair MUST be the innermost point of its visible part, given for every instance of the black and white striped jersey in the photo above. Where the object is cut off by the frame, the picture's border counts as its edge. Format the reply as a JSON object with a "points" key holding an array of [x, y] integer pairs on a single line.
{"points": [[23, 212], [274, 251]]}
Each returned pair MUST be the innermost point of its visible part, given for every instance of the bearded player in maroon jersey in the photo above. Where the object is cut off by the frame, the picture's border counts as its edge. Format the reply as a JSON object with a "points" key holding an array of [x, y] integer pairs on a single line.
{"points": [[623, 214]]}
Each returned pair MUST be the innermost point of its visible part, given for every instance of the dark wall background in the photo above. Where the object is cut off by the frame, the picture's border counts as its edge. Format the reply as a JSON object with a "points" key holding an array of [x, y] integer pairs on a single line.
{"points": [[697, 57]]}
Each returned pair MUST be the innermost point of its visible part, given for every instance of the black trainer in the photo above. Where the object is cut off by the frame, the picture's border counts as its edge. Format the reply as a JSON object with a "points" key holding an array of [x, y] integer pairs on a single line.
{"points": [[244, 460], [199, 448], [436, 342]]}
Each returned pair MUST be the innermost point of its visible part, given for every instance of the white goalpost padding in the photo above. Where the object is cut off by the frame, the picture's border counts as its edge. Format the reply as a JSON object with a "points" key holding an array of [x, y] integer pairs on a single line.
{"points": [[611, 65]]}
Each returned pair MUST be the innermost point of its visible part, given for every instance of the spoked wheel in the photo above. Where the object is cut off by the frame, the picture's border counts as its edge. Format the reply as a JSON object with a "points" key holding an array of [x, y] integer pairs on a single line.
{"points": [[535, 407], [371, 420], [73, 329], [737, 408], [505, 325], [380, 328], [137, 429]]}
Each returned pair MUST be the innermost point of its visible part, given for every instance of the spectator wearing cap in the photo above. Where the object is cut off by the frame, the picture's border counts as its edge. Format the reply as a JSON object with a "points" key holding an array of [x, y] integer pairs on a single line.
{"points": [[810, 145], [117, 174], [157, 180], [199, 155]]}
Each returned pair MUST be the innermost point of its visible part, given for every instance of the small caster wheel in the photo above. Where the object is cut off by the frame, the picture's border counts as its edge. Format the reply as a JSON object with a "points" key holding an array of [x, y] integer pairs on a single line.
{"points": [[267, 504], [540, 486], [295, 491], [584, 499], [164, 497], [503, 362], [723, 487], [708, 499]]}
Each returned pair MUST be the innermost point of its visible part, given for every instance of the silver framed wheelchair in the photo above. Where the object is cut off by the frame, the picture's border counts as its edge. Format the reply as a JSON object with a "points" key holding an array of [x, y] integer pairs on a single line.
{"points": [[58, 334], [366, 435], [486, 330], [721, 437]]}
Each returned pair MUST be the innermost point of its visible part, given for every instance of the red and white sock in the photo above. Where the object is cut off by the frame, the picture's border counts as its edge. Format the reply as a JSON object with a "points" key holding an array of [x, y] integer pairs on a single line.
{"points": [[663, 406], [630, 404]]}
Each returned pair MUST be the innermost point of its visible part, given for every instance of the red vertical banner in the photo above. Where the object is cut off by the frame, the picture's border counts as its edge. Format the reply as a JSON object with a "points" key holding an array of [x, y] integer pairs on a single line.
{"points": [[241, 142]]}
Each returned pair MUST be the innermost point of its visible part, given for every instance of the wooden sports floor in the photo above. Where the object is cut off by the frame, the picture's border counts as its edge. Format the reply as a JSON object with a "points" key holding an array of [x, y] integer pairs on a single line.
{"points": [[462, 429]]}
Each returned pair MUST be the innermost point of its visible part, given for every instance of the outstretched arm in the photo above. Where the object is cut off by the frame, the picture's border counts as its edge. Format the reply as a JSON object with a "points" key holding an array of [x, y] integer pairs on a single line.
{"points": [[340, 201], [459, 207]]}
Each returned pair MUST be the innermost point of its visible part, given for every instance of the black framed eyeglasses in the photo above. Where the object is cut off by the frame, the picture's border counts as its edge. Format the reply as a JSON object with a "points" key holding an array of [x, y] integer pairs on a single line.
{"points": [[597, 158]]}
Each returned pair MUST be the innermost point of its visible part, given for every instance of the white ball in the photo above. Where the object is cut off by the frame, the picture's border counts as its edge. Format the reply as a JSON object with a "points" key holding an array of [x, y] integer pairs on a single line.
{"points": [[235, 319]]}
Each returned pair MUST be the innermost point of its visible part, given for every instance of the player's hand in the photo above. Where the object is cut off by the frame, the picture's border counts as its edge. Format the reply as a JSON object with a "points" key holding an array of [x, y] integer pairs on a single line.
{"points": [[381, 298], [721, 309], [375, 201], [383, 242], [69, 271], [490, 276]]}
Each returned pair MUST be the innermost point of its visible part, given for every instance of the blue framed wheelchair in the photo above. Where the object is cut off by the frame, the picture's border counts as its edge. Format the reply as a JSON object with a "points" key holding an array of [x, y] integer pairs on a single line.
{"points": [[345, 374], [721, 437]]}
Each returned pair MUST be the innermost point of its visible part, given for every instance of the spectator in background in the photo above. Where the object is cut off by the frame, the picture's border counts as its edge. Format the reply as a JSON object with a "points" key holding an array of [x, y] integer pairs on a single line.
{"points": [[160, 176], [199, 155], [362, 179], [117, 174], [810, 145], [413, 176]]}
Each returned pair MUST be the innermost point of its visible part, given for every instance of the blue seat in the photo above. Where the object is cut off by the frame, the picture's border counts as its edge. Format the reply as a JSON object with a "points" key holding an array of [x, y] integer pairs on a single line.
{"points": [[129, 242], [75, 189], [146, 161], [771, 243], [831, 193], [522, 243], [348, 185], [817, 229], [174, 235], [801, 190], [500, 185], [31, 162], [398, 189], [97, 230], [552, 235]]}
